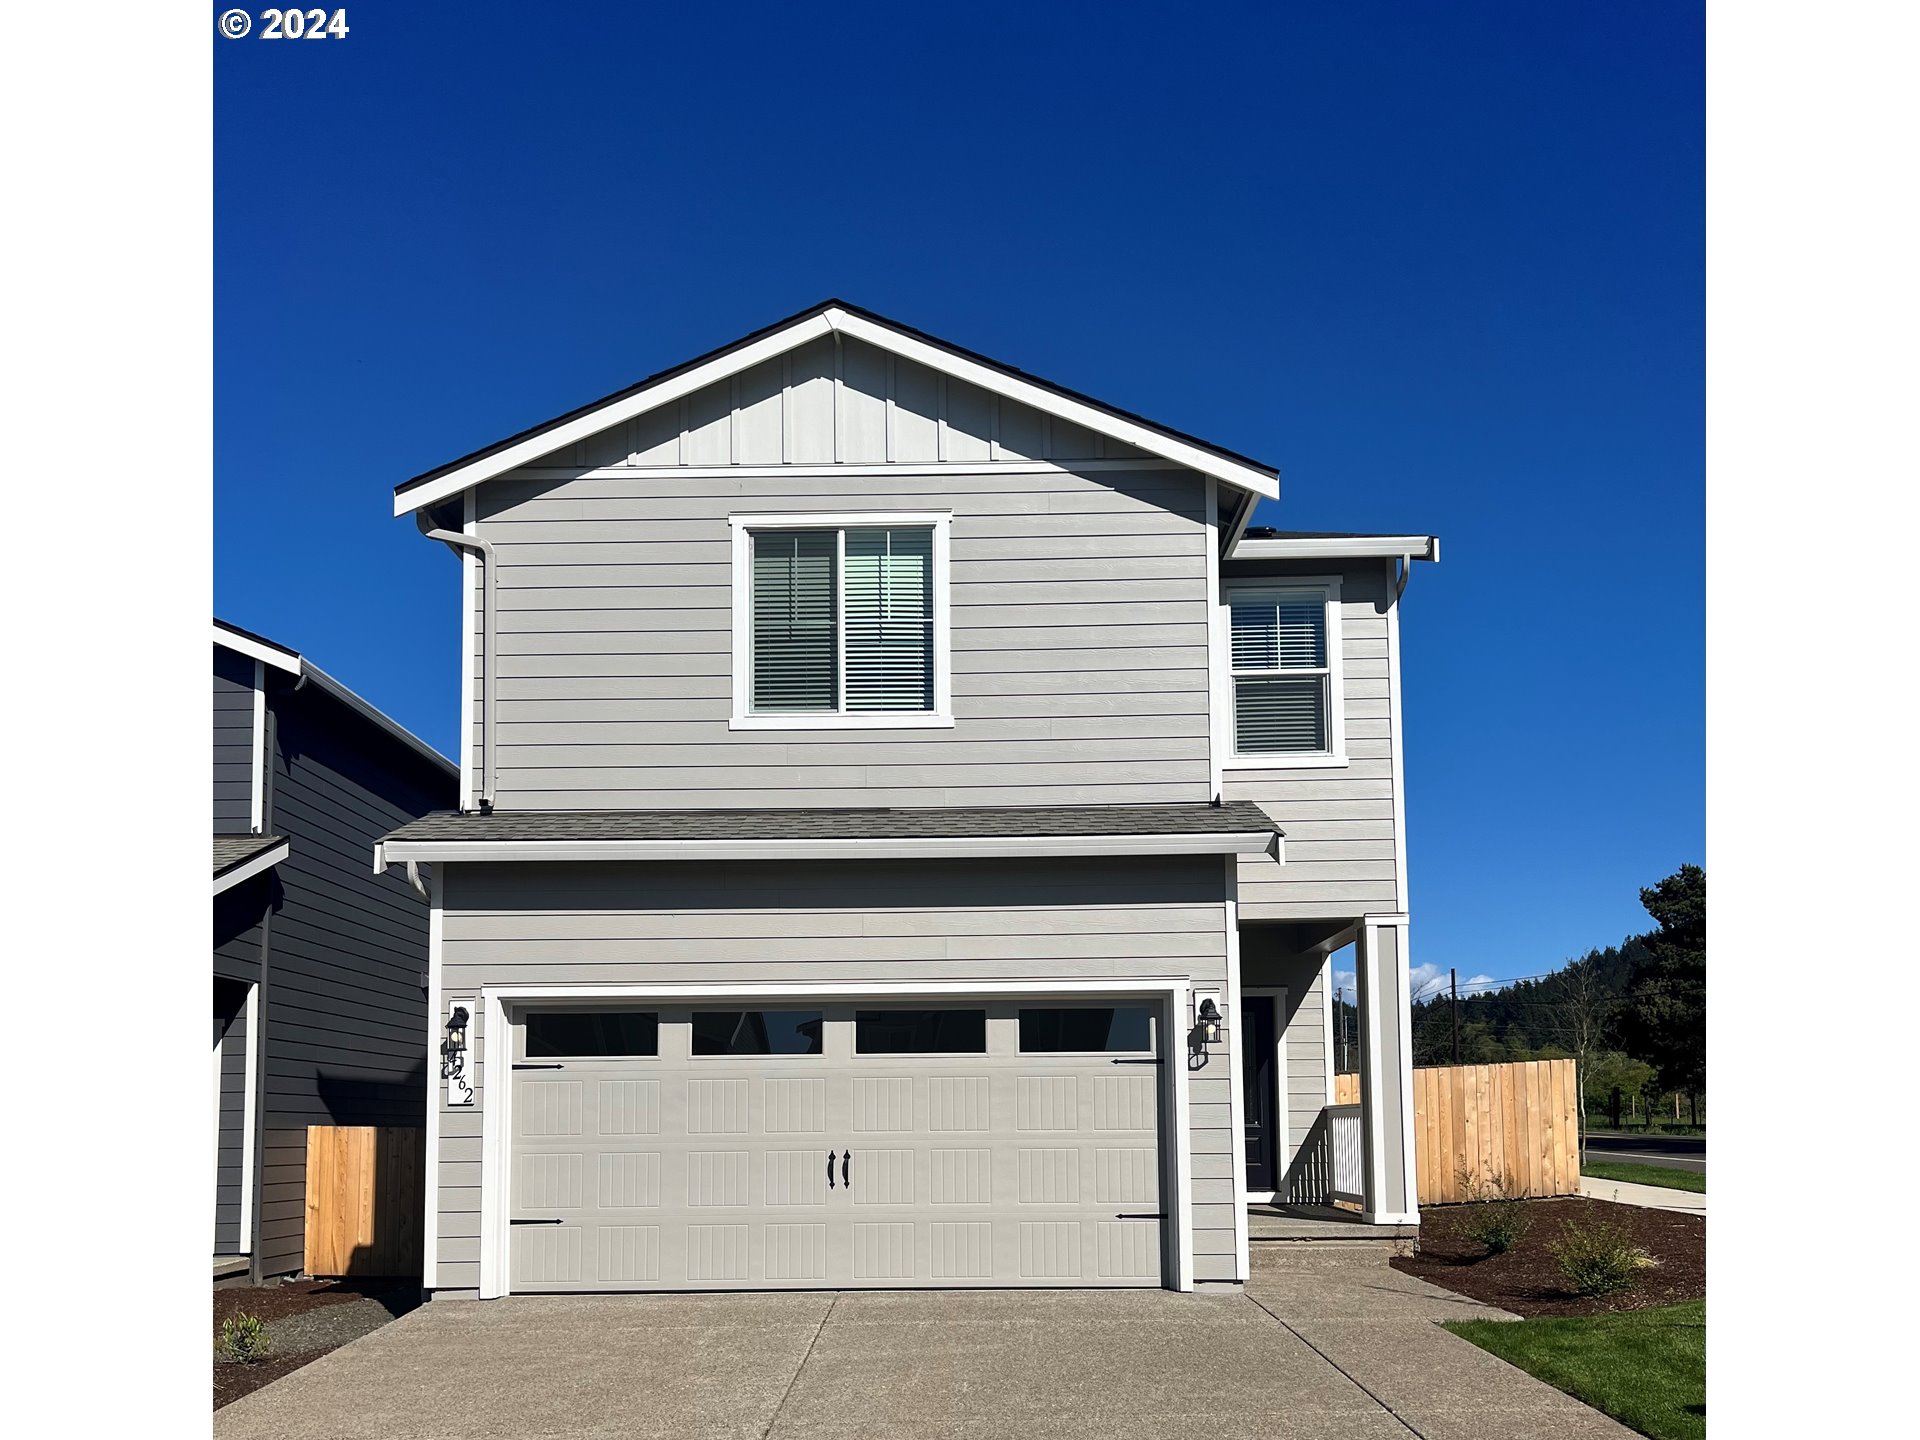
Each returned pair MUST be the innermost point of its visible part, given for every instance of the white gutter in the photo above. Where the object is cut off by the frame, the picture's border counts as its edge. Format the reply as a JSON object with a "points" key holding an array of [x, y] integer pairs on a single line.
{"points": [[1240, 842], [1339, 547], [456, 541]]}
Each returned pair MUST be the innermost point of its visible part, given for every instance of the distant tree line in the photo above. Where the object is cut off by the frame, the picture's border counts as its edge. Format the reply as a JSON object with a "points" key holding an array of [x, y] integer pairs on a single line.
{"points": [[1633, 1014]]}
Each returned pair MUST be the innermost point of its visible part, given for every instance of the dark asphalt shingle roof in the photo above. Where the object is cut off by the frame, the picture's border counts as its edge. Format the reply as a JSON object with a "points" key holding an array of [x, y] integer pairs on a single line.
{"points": [[960, 822], [230, 851]]}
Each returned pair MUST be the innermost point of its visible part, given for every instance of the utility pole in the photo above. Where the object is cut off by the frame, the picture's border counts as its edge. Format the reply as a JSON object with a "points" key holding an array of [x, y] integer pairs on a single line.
{"points": [[1453, 982]]}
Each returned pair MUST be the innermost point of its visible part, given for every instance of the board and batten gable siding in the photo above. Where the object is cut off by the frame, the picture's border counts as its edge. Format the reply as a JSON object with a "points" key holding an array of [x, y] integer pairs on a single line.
{"points": [[1078, 600], [232, 742], [747, 922], [1338, 822], [345, 999]]}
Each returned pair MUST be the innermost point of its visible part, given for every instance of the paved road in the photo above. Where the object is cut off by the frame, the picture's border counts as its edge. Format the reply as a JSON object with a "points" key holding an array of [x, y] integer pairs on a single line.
{"points": [[1671, 1152], [1317, 1348]]}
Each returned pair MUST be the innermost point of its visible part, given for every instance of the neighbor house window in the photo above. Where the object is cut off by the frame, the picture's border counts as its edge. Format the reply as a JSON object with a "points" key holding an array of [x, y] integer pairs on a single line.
{"points": [[840, 621], [1285, 658]]}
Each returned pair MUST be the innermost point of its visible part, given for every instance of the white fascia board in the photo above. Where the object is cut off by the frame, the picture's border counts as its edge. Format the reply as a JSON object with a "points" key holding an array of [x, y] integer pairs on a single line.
{"points": [[937, 358], [1355, 547], [386, 722], [593, 422], [264, 861], [1245, 842], [253, 649], [1051, 402]]}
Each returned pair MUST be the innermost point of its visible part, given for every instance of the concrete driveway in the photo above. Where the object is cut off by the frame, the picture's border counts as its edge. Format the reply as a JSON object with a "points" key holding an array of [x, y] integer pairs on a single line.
{"points": [[1324, 1346]]}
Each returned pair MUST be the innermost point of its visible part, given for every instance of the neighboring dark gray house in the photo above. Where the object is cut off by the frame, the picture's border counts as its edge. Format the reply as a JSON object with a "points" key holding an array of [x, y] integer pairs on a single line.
{"points": [[318, 1003], [905, 819]]}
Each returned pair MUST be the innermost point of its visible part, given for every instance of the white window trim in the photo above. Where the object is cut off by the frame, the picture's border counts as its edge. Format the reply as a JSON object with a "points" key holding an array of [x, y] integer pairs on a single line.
{"points": [[1335, 757], [940, 717]]}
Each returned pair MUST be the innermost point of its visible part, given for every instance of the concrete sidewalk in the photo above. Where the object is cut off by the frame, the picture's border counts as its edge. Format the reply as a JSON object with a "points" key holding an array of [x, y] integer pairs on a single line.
{"points": [[1651, 1197], [1342, 1348]]}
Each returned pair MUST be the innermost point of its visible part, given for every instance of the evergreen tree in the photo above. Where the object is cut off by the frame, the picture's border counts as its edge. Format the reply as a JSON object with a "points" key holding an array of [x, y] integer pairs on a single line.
{"points": [[1666, 1017]]}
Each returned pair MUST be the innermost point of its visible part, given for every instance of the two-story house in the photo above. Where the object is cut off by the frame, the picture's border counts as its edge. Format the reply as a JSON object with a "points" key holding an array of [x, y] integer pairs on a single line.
{"points": [[905, 819], [318, 1007]]}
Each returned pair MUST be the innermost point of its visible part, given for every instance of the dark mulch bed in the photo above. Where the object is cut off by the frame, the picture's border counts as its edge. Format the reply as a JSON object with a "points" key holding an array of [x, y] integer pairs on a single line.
{"points": [[273, 1303], [1527, 1280]]}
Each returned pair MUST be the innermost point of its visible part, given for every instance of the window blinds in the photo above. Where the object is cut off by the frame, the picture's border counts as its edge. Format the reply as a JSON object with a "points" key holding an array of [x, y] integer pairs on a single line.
{"points": [[1274, 635], [802, 599], [889, 606], [795, 621]]}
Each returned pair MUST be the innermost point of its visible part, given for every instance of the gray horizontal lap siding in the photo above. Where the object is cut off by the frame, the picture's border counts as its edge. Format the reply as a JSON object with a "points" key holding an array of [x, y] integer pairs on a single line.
{"points": [[348, 950], [753, 922], [1079, 645], [1339, 823], [232, 742]]}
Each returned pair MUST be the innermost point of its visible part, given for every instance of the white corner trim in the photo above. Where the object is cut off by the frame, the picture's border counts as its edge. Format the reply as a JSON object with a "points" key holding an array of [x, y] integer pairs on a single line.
{"points": [[496, 1120], [469, 660], [265, 860], [1327, 999], [1367, 969], [1219, 659], [1398, 751], [257, 772], [1240, 842], [742, 528], [1236, 1066], [436, 1087], [256, 1025], [1339, 547]]}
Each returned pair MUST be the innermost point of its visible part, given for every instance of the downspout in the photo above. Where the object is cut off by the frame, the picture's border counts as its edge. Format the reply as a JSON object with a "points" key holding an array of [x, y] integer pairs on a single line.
{"points": [[457, 542]]}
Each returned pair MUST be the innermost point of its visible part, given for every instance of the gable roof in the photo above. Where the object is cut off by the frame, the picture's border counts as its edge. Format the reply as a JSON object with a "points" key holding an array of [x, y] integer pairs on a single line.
{"points": [[292, 662], [826, 318]]}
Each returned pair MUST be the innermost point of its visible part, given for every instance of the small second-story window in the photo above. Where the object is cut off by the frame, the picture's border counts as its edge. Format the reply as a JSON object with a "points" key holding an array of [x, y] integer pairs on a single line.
{"points": [[1283, 671], [842, 624]]}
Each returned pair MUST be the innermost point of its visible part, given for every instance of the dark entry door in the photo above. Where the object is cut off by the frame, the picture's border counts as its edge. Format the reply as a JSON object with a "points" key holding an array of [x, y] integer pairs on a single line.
{"points": [[1261, 1097]]}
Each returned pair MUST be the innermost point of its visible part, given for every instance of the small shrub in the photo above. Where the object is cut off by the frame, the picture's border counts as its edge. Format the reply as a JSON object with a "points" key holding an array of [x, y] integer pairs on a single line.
{"points": [[1599, 1259], [1492, 1217], [244, 1338]]}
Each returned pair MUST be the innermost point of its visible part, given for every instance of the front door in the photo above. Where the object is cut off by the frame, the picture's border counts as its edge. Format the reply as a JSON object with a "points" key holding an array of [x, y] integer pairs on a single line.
{"points": [[1261, 1091]]}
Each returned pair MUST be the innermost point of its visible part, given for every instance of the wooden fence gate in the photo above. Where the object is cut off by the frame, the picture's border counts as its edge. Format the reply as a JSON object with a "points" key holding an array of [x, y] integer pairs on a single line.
{"points": [[364, 1199], [1473, 1122]]}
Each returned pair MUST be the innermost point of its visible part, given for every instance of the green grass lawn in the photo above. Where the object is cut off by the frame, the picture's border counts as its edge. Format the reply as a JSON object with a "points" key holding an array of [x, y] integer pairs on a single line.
{"points": [[1646, 1368], [1646, 1175]]}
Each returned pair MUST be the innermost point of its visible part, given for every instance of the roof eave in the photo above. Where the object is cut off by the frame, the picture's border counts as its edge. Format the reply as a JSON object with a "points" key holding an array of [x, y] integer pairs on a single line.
{"points": [[1345, 547], [251, 866], [436, 486], [1234, 842]]}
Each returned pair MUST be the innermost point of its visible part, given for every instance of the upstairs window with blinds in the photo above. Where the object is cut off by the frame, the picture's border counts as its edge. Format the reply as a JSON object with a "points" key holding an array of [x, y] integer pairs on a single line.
{"points": [[841, 622], [1283, 672]]}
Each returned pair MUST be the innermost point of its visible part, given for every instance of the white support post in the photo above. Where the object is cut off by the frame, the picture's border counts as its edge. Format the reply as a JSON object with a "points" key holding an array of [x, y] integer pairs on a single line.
{"points": [[1386, 1071]]}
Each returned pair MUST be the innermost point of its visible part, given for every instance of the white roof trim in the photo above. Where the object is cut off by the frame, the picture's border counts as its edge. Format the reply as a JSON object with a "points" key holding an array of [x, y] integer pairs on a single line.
{"points": [[299, 666], [811, 327], [265, 860], [1244, 842], [1339, 547]]}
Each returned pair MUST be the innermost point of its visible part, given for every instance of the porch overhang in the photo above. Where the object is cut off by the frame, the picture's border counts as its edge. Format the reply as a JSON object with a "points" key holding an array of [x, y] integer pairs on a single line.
{"points": [[241, 857], [1237, 828]]}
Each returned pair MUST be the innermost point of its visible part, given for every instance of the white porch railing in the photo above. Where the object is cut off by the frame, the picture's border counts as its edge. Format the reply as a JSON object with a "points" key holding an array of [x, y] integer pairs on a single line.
{"points": [[1349, 1163]]}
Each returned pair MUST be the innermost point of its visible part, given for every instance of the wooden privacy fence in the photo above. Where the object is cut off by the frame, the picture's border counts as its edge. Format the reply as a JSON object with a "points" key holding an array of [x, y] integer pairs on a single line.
{"points": [[1472, 1122], [364, 1199]]}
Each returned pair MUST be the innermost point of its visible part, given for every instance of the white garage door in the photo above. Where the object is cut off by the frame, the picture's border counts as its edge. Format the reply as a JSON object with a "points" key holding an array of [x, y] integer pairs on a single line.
{"points": [[730, 1146]]}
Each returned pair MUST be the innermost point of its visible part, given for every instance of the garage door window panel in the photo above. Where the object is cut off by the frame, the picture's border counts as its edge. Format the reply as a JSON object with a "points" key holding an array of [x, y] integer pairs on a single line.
{"points": [[757, 1032], [1086, 1030], [920, 1032], [598, 1034]]}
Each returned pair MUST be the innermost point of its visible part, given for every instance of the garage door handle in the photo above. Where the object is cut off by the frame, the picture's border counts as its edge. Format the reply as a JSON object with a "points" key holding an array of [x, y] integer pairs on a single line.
{"points": [[536, 1222], [846, 1166], [829, 1169]]}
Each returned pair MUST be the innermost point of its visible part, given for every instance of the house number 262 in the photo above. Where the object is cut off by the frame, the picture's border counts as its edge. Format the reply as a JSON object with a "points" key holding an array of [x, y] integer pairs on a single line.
{"points": [[303, 25]]}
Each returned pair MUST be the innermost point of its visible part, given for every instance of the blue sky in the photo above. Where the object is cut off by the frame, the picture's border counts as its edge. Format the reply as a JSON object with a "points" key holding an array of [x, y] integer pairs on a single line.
{"points": [[1443, 265]]}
